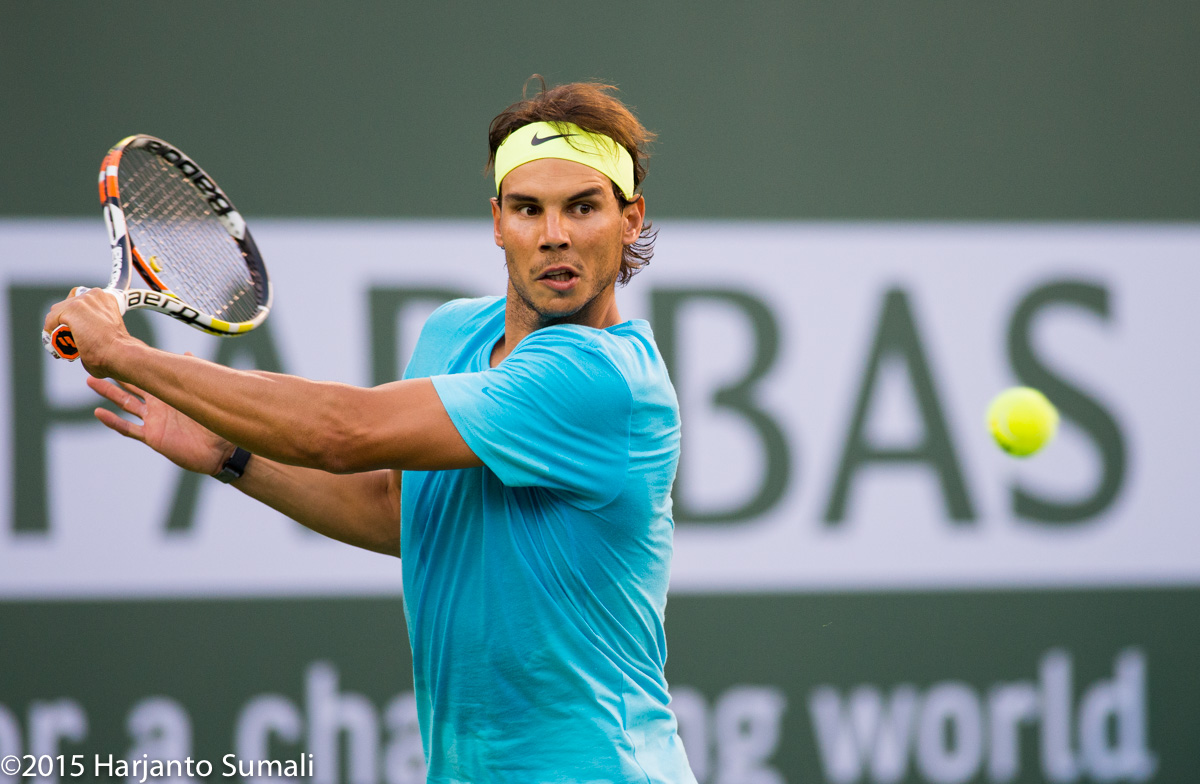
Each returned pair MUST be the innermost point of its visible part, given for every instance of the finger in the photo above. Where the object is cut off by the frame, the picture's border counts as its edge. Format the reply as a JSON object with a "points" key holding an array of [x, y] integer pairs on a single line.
{"points": [[102, 388], [119, 396], [109, 388], [143, 394], [105, 389], [122, 426], [52, 317]]}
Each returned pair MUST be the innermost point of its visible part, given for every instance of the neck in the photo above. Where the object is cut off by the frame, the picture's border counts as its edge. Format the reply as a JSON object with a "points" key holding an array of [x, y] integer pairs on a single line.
{"points": [[520, 320]]}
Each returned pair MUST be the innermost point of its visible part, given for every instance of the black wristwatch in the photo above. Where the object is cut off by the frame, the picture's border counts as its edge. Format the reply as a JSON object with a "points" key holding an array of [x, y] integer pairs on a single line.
{"points": [[234, 467]]}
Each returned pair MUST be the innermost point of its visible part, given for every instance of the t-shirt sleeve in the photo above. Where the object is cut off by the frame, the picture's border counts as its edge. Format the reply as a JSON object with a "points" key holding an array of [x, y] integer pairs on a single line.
{"points": [[442, 334], [555, 413]]}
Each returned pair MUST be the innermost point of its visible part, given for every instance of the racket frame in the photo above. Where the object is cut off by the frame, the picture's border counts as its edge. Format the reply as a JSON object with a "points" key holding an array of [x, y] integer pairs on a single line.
{"points": [[126, 258]]}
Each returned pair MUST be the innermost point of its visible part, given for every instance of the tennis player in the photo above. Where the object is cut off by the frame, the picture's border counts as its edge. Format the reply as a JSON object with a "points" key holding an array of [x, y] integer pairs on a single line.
{"points": [[522, 468]]}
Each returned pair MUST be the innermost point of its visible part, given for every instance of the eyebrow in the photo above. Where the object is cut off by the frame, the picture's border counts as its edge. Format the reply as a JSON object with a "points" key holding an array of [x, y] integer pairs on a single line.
{"points": [[524, 198]]}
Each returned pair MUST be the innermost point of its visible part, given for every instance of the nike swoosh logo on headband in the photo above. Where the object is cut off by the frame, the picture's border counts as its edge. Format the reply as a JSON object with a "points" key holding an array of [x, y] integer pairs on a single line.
{"points": [[536, 141]]}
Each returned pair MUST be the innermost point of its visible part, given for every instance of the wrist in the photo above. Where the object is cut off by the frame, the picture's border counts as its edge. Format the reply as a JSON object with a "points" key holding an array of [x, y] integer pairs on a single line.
{"points": [[234, 466], [120, 354]]}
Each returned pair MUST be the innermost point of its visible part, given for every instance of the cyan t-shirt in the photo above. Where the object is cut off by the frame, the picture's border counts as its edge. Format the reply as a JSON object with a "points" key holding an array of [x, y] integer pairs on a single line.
{"points": [[534, 587]]}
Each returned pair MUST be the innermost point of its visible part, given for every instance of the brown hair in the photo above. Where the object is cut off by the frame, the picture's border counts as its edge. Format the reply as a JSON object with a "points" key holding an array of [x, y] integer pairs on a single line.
{"points": [[590, 106]]}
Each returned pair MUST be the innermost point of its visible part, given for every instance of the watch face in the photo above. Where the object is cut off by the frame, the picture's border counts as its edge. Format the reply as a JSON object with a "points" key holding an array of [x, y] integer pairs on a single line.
{"points": [[227, 474], [234, 467]]}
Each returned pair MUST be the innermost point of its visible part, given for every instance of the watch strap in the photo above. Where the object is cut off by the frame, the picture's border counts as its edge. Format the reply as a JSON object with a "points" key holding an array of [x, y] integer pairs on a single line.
{"points": [[234, 467]]}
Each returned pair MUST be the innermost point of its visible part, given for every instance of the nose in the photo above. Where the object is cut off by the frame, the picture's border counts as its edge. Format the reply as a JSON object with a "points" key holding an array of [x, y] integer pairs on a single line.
{"points": [[554, 232]]}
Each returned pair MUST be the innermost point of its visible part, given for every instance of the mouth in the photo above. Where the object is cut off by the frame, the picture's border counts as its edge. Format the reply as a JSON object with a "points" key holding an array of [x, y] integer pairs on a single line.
{"points": [[559, 278]]}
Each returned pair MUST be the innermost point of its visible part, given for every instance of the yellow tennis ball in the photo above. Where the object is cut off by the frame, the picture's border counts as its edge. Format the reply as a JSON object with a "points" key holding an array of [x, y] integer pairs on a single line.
{"points": [[1022, 420]]}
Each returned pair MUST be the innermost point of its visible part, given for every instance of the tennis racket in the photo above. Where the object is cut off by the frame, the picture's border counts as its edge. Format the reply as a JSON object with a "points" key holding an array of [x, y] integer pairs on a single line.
{"points": [[168, 220]]}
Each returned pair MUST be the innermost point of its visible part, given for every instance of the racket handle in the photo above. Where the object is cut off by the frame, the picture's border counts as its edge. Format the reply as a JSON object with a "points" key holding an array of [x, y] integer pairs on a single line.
{"points": [[61, 343]]}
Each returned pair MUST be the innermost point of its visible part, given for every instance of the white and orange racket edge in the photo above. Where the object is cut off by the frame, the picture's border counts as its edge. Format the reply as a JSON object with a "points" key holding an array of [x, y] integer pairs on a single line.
{"points": [[126, 256]]}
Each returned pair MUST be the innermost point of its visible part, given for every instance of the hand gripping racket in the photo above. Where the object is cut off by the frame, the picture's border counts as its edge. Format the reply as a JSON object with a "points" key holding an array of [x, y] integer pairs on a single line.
{"points": [[168, 220]]}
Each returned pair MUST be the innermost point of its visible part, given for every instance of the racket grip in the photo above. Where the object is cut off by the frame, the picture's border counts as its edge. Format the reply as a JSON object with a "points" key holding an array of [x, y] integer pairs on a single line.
{"points": [[61, 343]]}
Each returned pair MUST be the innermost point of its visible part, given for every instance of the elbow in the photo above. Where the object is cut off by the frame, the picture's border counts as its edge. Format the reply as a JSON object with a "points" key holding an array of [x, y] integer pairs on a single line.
{"points": [[334, 451], [346, 435], [334, 445], [389, 546]]}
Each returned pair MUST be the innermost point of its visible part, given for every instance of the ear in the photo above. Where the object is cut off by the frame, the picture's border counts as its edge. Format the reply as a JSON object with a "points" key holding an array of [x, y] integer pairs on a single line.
{"points": [[496, 222], [634, 216]]}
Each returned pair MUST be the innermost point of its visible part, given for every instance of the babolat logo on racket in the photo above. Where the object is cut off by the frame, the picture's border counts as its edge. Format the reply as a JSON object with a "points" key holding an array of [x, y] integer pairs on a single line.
{"points": [[64, 344], [190, 170]]}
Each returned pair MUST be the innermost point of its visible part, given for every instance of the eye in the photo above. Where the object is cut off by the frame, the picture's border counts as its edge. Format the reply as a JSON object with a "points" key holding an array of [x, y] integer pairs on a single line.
{"points": [[584, 209], [527, 210]]}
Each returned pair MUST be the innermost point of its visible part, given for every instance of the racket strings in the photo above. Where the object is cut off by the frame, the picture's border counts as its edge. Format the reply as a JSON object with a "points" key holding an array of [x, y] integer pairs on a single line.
{"points": [[171, 222]]}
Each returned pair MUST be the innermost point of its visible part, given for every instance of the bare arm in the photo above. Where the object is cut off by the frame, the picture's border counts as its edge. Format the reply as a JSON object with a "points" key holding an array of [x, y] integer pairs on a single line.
{"points": [[359, 509], [329, 426], [333, 427]]}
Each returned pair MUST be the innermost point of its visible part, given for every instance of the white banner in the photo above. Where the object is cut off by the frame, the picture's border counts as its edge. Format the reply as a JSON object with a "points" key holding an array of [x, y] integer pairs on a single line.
{"points": [[833, 380]]}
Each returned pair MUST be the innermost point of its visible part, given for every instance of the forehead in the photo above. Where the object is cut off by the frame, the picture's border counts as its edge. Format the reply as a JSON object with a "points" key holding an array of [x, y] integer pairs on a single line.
{"points": [[549, 178]]}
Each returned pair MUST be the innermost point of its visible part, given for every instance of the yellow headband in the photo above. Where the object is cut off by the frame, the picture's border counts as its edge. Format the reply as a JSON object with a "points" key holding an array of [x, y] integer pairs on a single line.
{"points": [[570, 143]]}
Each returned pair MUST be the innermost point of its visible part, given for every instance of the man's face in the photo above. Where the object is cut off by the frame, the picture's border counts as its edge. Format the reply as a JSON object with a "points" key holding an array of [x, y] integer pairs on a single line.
{"points": [[563, 233]]}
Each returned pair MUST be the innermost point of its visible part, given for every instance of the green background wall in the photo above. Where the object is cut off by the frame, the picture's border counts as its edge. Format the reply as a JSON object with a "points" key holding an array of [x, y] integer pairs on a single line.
{"points": [[848, 110], [1018, 110]]}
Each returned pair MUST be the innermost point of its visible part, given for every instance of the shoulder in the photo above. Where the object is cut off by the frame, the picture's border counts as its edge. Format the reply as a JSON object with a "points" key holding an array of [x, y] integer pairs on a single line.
{"points": [[628, 347], [564, 351], [460, 314], [451, 333], [623, 355], [567, 346]]}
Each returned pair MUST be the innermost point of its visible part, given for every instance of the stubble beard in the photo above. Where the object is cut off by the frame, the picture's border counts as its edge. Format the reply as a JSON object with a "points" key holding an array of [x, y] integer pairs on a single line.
{"points": [[533, 317]]}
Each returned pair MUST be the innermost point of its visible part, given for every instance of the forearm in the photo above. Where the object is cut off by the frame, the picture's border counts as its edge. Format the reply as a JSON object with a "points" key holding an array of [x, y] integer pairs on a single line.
{"points": [[359, 509], [284, 418]]}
